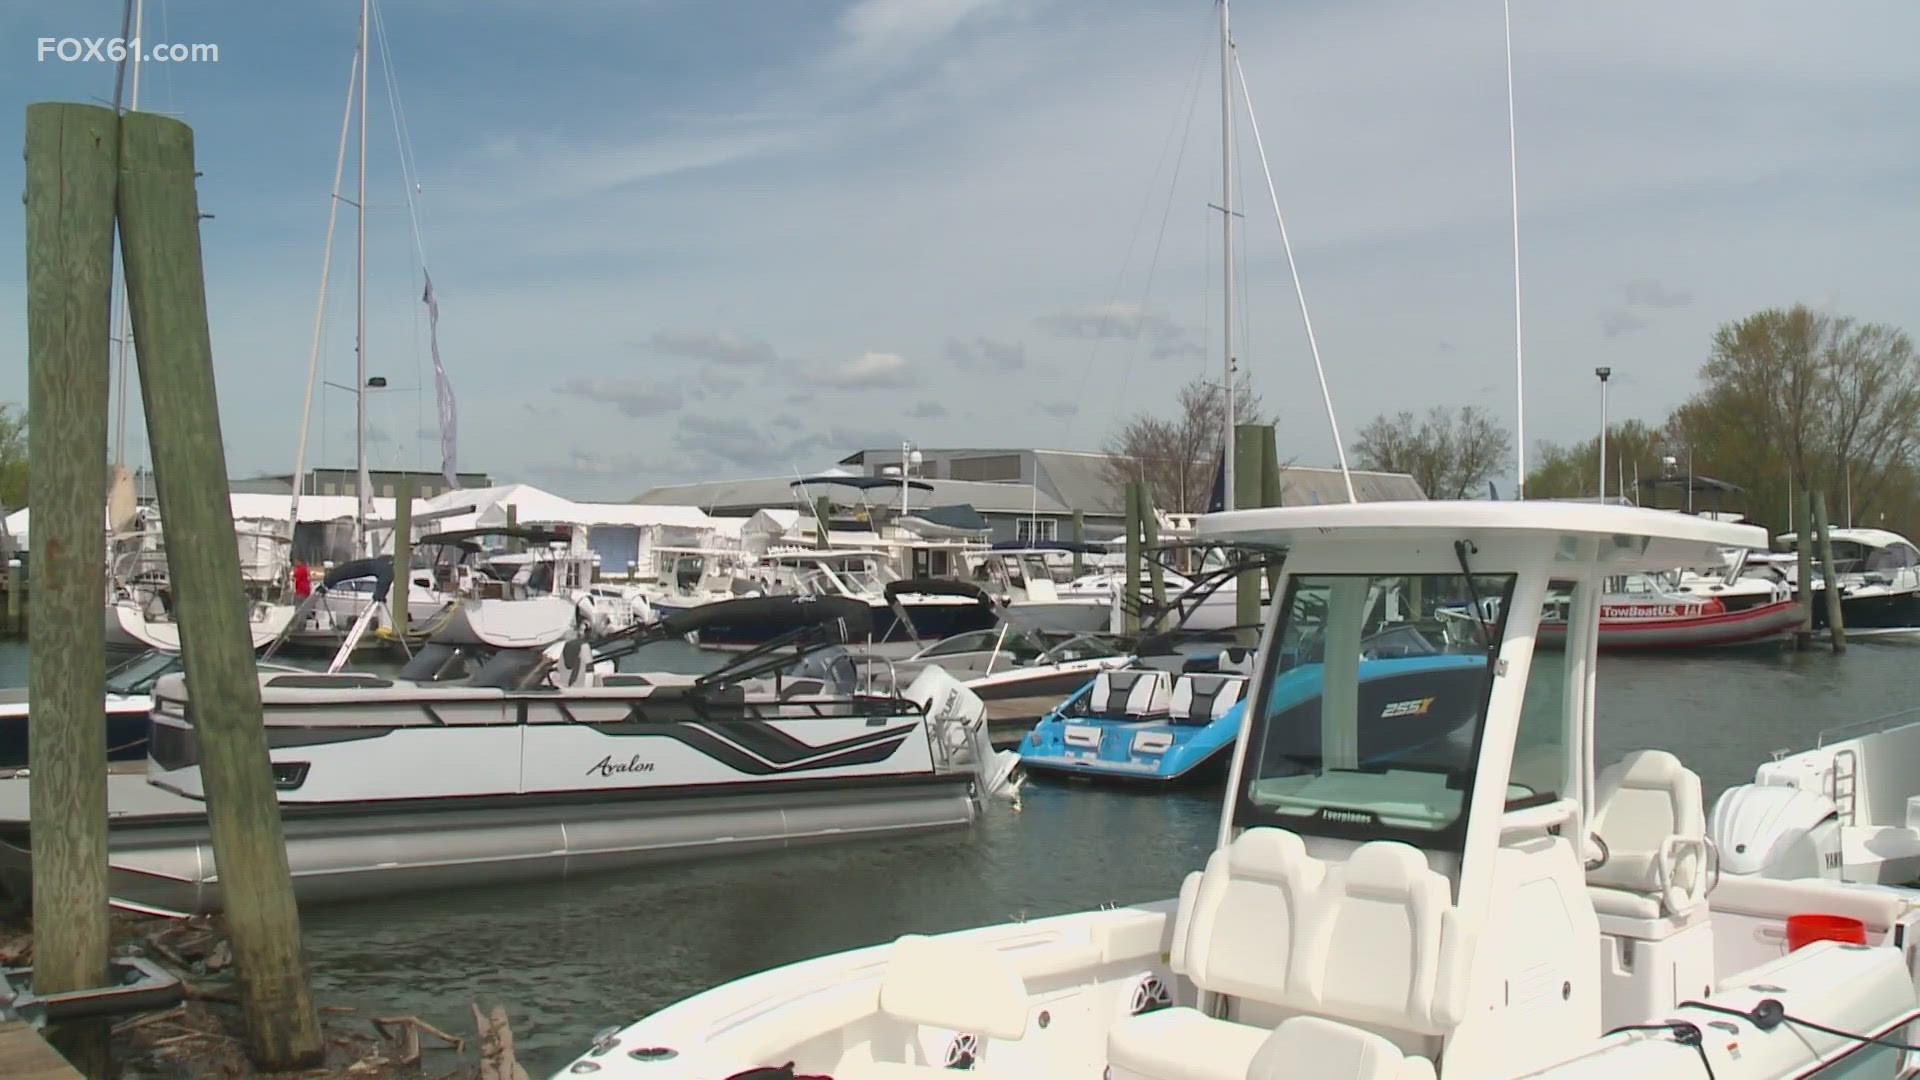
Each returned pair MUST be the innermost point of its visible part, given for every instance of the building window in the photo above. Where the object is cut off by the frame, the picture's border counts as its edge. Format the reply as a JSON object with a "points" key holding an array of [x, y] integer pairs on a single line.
{"points": [[1036, 530], [329, 488]]}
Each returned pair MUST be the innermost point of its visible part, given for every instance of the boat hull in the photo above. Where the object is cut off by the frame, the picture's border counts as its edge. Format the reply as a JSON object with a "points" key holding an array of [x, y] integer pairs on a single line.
{"points": [[160, 854], [127, 720], [1081, 616], [128, 629], [1673, 629]]}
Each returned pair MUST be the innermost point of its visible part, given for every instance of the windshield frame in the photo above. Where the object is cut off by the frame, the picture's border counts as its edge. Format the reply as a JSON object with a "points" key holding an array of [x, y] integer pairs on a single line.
{"points": [[1450, 838]]}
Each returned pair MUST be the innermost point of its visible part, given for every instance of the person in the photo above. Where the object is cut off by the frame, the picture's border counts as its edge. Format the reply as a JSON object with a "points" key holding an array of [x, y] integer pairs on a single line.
{"points": [[302, 581]]}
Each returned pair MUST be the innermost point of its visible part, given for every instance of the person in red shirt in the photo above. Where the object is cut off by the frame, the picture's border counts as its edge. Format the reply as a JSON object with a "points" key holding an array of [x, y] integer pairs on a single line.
{"points": [[302, 581]]}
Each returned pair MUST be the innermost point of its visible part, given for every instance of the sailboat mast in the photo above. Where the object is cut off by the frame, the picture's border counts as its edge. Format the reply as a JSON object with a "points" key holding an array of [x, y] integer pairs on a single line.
{"points": [[1226, 247], [363, 487]]}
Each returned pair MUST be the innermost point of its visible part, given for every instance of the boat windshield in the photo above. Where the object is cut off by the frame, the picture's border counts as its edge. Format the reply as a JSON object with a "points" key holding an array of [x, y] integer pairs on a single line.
{"points": [[138, 675], [1372, 714], [1081, 647]]}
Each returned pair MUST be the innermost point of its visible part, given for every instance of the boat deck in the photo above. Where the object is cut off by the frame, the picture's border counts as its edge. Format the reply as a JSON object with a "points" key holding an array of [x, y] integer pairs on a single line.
{"points": [[24, 1055]]}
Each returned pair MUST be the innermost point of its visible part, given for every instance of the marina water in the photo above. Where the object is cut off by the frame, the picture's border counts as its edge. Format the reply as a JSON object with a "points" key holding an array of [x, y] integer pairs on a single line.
{"points": [[569, 957]]}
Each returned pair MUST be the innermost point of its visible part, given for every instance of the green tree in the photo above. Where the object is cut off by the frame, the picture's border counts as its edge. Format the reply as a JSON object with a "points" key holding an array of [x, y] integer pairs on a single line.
{"points": [[1795, 399], [1635, 451], [13, 457], [1449, 453]]}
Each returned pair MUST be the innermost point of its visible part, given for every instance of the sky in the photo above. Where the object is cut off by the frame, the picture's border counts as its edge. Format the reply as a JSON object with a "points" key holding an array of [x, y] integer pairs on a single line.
{"points": [[709, 239]]}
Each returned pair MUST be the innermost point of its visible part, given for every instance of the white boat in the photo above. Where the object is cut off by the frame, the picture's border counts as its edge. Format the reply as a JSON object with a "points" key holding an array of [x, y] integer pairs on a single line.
{"points": [[1846, 810], [1491, 903], [476, 767], [1879, 577], [133, 625], [1030, 585]]}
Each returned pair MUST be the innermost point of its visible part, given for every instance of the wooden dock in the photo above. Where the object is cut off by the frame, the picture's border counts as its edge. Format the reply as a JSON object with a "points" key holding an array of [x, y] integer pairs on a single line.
{"points": [[24, 1055]]}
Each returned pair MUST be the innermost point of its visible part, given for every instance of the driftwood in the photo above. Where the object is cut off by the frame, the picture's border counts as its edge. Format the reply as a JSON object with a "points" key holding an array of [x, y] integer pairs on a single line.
{"points": [[411, 1028], [496, 1046]]}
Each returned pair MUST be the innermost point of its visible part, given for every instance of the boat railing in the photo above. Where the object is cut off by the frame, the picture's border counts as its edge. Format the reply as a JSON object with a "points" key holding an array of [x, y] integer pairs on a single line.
{"points": [[1860, 728]]}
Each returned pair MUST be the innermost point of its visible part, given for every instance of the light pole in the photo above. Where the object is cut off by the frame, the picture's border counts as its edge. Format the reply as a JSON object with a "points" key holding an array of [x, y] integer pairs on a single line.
{"points": [[910, 459], [1605, 373]]}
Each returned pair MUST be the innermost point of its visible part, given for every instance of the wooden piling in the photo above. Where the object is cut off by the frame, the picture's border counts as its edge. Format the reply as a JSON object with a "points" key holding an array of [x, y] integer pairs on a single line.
{"points": [[1149, 540], [1249, 480], [70, 204], [1829, 576], [166, 293], [1130, 601], [822, 521], [402, 586], [1803, 540], [13, 581], [1079, 541], [513, 522]]}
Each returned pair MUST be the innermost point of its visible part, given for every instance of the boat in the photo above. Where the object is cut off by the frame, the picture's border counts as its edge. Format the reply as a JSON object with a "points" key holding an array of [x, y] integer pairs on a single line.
{"points": [[1498, 906], [1879, 577], [1675, 610], [127, 708], [1018, 675], [1846, 810], [133, 624], [1030, 583], [551, 761], [903, 612]]}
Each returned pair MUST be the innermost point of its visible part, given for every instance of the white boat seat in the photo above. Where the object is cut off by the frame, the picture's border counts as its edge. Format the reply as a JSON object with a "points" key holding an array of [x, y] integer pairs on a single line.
{"points": [[1187, 1044], [1237, 659], [1204, 698], [1650, 820], [1151, 695], [952, 984], [1383, 945], [1308, 1045]]}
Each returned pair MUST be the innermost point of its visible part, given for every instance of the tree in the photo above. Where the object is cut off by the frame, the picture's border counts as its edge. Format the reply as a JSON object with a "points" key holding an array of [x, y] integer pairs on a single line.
{"points": [[1797, 399], [1635, 451], [13, 457], [1449, 453], [1176, 458]]}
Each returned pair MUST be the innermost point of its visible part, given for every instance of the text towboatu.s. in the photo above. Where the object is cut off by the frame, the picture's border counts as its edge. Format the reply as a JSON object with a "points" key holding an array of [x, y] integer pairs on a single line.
{"points": [[1492, 902]]}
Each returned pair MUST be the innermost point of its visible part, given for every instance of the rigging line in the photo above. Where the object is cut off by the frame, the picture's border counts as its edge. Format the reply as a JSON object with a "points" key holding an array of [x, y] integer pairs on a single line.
{"points": [[402, 135], [320, 310], [1299, 290], [1519, 356], [1093, 351]]}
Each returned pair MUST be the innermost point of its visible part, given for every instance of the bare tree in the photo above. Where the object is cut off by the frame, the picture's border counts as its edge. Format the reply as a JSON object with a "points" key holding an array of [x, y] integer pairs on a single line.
{"points": [[1449, 453], [1176, 457]]}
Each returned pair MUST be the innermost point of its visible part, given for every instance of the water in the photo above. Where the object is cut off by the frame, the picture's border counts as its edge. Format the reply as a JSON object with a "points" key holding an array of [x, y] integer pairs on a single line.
{"points": [[570, 957]]}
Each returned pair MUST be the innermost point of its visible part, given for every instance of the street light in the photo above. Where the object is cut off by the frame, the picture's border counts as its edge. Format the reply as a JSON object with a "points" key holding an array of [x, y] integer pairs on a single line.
{"points": [[910, 460], [1605, 373]]}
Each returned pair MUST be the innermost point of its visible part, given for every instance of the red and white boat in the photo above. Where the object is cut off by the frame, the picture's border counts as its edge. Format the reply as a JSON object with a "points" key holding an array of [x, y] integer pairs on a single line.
{"points": [[1687, 610]]}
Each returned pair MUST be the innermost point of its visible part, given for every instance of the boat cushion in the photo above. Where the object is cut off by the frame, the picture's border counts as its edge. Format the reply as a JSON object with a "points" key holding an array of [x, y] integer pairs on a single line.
{"points": [[1623, 903], [955, 984], [1644, 799], [1247, 915], [1149, 695], [1187, 1044], [1382, 943], [1879, 907], [1237, 659], [1332, 1050], [1204, 698]]}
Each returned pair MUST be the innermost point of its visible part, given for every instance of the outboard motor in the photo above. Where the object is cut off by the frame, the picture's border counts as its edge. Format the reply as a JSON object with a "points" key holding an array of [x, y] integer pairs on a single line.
{"points": [[1776, 831], [959, 721]]}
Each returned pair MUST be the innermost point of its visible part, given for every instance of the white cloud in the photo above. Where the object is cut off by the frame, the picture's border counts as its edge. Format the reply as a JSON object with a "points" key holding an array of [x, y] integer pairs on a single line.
{"points": [[870, 371], [634, 397]]}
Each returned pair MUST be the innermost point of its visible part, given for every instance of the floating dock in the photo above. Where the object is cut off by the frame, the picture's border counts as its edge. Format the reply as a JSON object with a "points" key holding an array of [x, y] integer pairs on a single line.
{"points": [[24, 1055]]}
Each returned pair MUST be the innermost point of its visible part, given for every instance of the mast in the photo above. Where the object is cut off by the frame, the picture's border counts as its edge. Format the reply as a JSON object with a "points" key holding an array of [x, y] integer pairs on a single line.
{"points": [[363, 487], [1226, 246]]}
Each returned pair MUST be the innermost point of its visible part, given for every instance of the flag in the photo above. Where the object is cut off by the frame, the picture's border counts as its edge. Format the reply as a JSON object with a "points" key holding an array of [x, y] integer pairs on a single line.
{"points": [[443, 389], [1217, 501]]}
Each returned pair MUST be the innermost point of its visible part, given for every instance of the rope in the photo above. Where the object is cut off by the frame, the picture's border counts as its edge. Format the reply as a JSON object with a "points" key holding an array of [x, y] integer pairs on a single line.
{"points": [[1293, 268]]}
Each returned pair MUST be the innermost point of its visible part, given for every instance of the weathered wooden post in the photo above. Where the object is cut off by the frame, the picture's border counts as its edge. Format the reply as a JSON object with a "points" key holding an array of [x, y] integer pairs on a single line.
{"points": [[822, 521], [1079, 541], [1150, 540], [1248, 481], [12, 579], [1829, 575], [1270, 491], [1803, 540], [70, 204], [402, 587], [1130, 601], [513, 522], [166, 293]]}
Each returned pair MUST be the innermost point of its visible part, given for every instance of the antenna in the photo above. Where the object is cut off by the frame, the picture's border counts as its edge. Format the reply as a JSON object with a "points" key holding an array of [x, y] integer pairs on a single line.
{"points": [[1519, 355], [1226, 234]]}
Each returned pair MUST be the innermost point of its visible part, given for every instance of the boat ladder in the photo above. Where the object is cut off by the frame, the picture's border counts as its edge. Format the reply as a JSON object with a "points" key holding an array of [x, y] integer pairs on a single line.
{"points": [[1845, 795]]}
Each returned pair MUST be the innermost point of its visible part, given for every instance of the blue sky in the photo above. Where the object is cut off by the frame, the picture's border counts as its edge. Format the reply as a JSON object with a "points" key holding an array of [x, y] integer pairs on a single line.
{"points": [[683, 240]]}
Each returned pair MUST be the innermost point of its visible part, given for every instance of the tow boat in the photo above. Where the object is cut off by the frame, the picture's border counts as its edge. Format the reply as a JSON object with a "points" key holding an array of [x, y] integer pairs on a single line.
{"points": [[548, 762], [1499, 907]]}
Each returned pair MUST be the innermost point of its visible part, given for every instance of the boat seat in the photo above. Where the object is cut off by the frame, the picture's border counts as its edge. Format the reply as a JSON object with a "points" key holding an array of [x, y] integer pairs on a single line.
{"points": [[1237, 659], [1150, 696], [1649, 819], [1234, 933], [1113, 689], [1202, 699], [1304, 1045], [954, 985]]}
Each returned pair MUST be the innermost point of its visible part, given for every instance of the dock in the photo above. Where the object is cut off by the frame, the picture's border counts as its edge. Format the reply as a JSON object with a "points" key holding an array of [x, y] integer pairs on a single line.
{"points": [[24, 1055]]}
